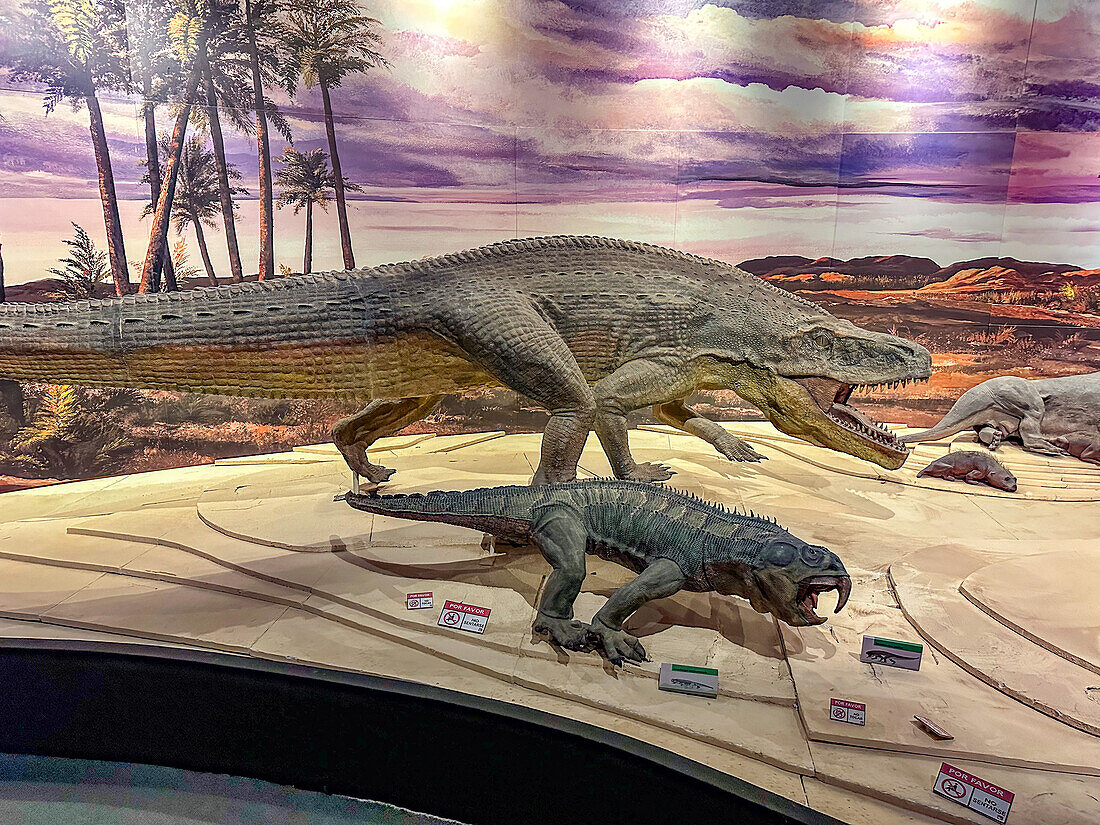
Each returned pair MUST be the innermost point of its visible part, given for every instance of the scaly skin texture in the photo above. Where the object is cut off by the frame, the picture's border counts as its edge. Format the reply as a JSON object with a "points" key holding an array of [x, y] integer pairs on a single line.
{"points": [[674, 541], [973, 468], [1052, 416], [590, 328]]}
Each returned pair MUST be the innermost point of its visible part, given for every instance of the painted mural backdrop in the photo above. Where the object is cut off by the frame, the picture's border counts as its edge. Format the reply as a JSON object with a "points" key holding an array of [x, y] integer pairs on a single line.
{"points": [[925, 166]]}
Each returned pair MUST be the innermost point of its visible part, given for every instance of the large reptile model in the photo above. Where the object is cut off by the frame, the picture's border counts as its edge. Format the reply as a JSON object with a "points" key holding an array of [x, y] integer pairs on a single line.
{"points": [[674, 541], [1039, 412], [590, 328]]}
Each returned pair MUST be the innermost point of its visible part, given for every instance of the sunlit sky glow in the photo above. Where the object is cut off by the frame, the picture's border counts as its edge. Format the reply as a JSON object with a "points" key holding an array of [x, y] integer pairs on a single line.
{"points": [[947, 129]]}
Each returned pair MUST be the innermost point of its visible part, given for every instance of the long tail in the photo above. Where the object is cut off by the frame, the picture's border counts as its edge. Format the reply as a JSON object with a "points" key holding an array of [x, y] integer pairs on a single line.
{"points": [[295, 337], [76, 342], [969, 410], [496, 510]]}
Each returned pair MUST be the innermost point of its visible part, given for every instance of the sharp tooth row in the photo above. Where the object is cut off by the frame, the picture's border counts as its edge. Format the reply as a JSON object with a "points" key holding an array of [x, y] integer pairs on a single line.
{"points": [[880, 436], [891, 385]]}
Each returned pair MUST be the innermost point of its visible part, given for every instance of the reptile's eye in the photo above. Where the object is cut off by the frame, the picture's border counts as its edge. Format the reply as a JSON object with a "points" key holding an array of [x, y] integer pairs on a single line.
{"points": [[812, 555], [822, 339]]}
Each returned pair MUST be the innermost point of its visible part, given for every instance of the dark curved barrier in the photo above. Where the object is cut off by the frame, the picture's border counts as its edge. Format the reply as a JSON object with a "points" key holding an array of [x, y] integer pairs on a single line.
{"points": [[450, 754]]}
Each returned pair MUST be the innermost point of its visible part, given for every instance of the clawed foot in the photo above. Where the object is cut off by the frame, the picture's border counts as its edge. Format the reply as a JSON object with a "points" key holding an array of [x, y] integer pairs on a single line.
{"points": [[567, 633], [650, 472], [617, 645], [356, 457], [735, 449]]}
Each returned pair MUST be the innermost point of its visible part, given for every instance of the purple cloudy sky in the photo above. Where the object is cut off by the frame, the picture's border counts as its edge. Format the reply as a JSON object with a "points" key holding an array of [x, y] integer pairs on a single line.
{"points": [[951, 129]]}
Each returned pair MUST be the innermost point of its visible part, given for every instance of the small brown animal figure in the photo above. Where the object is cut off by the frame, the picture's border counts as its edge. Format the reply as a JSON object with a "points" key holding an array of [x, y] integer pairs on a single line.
{"points": [[973, 468], [1082, 445]]}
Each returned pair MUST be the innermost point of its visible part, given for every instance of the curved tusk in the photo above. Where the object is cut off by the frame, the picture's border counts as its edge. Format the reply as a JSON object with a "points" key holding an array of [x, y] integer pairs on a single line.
{"points": [[844, 588]]}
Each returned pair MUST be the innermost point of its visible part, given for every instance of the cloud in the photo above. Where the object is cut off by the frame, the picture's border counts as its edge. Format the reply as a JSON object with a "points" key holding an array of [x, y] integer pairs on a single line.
{"points": [[942, 233]]}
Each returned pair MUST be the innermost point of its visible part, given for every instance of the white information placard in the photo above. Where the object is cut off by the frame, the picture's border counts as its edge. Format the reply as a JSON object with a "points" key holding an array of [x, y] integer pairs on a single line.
{"points": [[468, 617], [418, 601], [842, 710], [976, 794]]}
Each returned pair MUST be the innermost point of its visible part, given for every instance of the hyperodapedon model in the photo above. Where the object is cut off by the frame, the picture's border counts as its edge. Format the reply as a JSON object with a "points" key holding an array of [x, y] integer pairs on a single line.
{"points": [[1053, 416], [673, 540], [590, 328]]}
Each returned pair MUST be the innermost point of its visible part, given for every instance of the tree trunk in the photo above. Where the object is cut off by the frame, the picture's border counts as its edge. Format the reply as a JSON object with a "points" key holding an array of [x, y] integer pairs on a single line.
{"points": [[116, 249], [307, 262], [170, 282], [228, 215], [200, 237], [341, 203], [152, 159], [158, 235], [266, 268]]}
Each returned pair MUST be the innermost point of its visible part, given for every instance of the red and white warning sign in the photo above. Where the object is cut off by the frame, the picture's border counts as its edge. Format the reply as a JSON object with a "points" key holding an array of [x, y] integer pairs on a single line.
{"points": [[418, 601], [973, 793], [854, 713], [468, 617]]}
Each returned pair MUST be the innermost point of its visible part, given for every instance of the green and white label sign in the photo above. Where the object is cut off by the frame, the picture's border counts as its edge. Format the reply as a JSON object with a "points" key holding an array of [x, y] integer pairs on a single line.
{"points": [[697, 681], [891, 652]]}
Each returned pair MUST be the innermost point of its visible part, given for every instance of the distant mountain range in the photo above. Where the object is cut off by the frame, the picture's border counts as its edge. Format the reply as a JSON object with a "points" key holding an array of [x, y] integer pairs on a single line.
{"points": [[781, 266], [907, 272]]}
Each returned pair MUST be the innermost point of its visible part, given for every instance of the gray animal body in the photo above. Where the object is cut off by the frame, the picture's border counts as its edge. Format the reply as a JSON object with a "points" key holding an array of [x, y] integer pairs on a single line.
{"points": [[674, 541], [1083, 445], [589, 328], [1034, 411], [973, 468]]}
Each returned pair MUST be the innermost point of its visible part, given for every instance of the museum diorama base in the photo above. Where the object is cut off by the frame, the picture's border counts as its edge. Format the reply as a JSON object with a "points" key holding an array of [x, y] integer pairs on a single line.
{"points": [[253, 556]]}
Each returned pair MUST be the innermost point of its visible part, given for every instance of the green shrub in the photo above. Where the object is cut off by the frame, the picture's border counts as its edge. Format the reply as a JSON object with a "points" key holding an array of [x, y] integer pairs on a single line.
{"points": [[73, 433]]}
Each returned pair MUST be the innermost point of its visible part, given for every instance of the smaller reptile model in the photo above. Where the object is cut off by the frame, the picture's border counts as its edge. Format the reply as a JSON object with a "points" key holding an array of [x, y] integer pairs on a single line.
{"points": [[973, 468], [1034, 411], [673, 540]]}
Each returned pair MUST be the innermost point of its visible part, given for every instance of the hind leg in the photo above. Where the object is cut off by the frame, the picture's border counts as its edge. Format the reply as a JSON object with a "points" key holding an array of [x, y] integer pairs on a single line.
{"points": [[521, 350], [991, 436], [354, 434]]}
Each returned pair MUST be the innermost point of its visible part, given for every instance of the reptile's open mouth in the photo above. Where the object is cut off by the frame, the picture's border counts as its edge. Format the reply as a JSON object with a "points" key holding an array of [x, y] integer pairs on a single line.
{"points": [[809, 589], [832, 397]]}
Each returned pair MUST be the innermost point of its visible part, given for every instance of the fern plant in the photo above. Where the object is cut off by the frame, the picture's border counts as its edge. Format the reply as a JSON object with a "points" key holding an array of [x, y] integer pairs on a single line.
{"points": [[73, 433], [85, 268]]}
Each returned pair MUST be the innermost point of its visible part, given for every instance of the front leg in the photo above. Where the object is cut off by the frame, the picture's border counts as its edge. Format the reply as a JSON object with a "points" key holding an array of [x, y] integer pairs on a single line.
{"points": [[560, 535], [677, 414], [632, 386], [660, 579]]}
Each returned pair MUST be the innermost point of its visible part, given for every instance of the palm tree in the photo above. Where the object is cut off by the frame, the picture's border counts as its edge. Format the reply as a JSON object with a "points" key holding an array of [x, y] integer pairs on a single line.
{"points": [[190, 31], [306, 180], [331, 39], [77, 48], [260, 30], [155, 71], [198, 200], [228, 91]]}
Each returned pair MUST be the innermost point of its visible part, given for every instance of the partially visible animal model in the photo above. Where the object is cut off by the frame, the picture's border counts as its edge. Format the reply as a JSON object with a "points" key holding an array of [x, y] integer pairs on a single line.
{"points": [[674, 541], [1033, 411], [973, 468], [1086, 446], [588, 328]]}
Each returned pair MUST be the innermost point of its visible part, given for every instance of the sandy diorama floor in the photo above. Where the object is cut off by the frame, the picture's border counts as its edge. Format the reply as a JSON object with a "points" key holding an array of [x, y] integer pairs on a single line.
{"points": [[254, 557]]}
